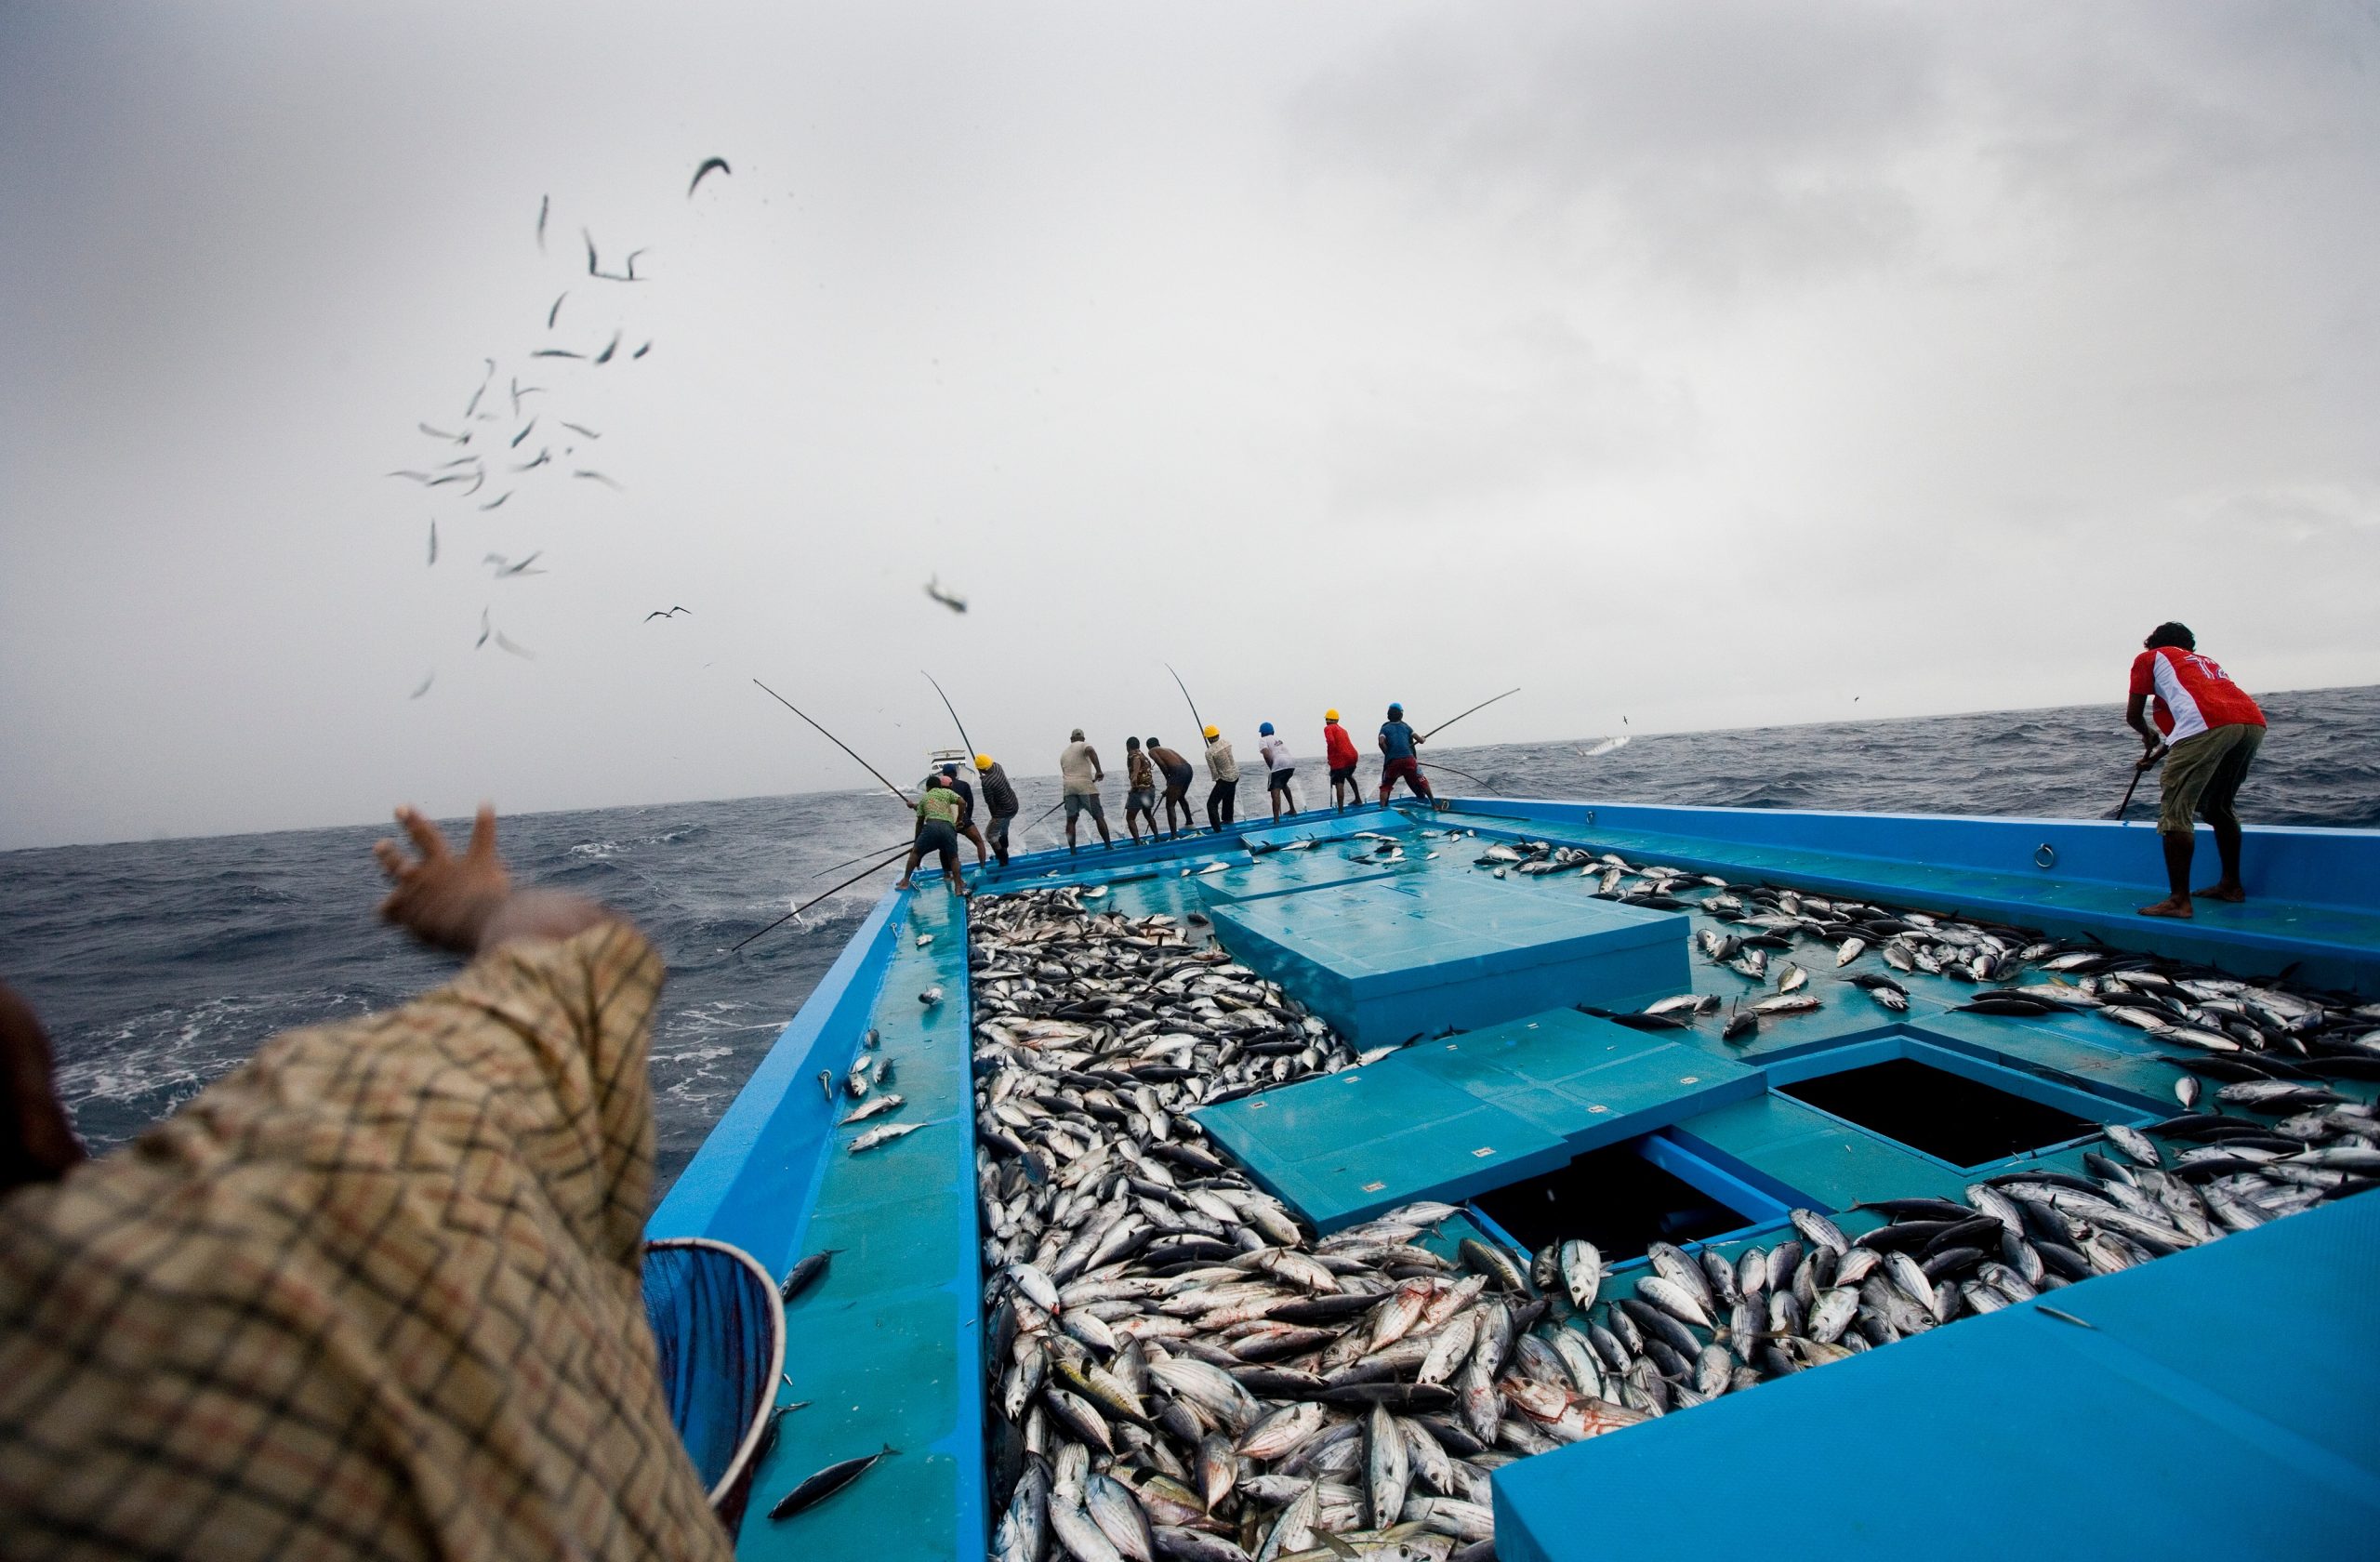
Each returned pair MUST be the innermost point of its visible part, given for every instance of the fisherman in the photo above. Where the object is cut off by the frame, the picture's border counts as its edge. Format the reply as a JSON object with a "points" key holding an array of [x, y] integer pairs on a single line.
{"points": [[375, 1292], [2209, 731], [1079, 769], [936, 831], [1223, 799], [1001, 797], [967, 830], [1398, 742], [1339, 753], [1177, 774], [1278, 767], [1139, 795]]}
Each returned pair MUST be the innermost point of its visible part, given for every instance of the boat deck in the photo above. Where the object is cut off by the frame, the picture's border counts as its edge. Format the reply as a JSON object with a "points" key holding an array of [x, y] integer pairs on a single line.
{"points": [[1508, 1088]]}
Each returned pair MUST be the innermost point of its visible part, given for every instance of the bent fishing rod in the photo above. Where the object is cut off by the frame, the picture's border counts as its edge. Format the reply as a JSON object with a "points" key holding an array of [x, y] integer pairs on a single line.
{"points": [[1461, 714], [838, 889], [1188, 701], [905, 800], [972, 749]]}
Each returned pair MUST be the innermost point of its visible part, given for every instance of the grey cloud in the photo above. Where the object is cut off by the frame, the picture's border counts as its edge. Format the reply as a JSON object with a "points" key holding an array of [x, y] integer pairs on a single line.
{"points": [[1507, 410], [1709, 140]]}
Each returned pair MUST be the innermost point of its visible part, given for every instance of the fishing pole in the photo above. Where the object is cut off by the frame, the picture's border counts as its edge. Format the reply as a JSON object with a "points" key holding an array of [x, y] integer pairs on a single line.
{"points": [[815, 899], [1187, 700], [1433, 764], [954, 718], [838, 743], [861, 858], [1461, 714], [2147, 763]]}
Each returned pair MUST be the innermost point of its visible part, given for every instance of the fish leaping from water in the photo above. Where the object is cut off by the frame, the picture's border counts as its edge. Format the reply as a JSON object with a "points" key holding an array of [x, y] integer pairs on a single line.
{"points": [[707, 165], [942, 594]]}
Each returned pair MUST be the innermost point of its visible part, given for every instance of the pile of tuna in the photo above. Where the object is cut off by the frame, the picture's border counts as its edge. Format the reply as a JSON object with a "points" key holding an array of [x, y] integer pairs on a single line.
{"points": [[1180, 1370], [2227, 1028]]}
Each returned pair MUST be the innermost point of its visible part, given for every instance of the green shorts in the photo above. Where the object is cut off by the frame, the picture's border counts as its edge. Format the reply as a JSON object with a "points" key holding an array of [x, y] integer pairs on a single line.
{"points": [[2202, 774]]}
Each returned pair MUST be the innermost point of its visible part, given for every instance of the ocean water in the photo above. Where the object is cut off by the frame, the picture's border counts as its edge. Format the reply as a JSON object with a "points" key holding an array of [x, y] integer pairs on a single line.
{"points": [[160, 965]]}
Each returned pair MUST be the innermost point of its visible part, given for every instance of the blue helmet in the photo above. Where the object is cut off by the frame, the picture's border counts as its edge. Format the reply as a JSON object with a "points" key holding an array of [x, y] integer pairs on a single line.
{"points": [[1265, 729]]}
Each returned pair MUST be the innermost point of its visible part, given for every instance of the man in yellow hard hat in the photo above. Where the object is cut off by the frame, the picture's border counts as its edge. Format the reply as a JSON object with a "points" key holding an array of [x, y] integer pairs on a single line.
{"points": [[999, 801], [1223, 801], [1339, 753]]}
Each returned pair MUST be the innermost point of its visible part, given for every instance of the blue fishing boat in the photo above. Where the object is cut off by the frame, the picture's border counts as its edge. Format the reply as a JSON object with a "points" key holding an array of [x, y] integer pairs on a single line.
{"points": [[1549, 1051]]}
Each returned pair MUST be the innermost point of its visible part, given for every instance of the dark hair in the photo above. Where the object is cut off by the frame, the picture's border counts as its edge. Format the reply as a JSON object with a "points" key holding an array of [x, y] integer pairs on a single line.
{"points": [[2171, 633], [1132, 742]]}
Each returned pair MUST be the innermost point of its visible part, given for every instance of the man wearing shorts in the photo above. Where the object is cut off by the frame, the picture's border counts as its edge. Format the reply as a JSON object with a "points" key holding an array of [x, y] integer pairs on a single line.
{"points": [[1177, 773], [1279, 768], [1339, 753], [1399, 757], [967, 830], [1223, 801], [1140, 794], [2209, 731], [937, 831], [1001, 798], [1079, 767]]}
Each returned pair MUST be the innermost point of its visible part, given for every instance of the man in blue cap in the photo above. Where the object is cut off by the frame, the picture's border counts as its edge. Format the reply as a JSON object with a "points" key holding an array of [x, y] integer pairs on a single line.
{"points": [[1281, 766], [1399, 757]]}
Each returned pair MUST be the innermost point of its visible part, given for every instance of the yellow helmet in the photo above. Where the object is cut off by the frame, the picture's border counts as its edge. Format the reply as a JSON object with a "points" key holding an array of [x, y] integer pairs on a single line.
{"points": [[1214, 732], [983, 762], [1331, 715]]}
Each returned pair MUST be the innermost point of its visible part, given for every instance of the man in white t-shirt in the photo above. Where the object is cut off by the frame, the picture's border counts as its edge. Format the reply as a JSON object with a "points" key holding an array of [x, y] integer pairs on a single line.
{"points": [[1079, 769], [1279, 766]]}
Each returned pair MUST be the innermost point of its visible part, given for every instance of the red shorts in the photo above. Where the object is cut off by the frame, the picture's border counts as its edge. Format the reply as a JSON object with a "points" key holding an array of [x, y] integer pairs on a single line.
{"points": [[1409, 769]]}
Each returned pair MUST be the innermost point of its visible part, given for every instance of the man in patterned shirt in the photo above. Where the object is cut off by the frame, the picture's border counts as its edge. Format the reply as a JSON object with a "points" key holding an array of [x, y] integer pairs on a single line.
{"points": [[373, 1294]]}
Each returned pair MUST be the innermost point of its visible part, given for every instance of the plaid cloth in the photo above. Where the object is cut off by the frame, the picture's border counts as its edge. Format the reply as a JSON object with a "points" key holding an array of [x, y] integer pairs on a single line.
{"points": [[373, 1295]]}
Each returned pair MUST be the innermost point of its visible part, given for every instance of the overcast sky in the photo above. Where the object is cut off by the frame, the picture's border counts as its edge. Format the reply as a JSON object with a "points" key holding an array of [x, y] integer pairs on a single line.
{"points": [[1707, 365]]}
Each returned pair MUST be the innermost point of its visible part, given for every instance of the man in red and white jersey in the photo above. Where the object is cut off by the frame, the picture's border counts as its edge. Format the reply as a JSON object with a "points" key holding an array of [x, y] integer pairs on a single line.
{"points": [[2214, 730]]}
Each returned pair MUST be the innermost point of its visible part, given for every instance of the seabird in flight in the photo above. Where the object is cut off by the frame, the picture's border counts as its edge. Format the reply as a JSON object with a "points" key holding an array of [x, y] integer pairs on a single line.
{"points": [[672, 614], [709, 164], [941, 594]]}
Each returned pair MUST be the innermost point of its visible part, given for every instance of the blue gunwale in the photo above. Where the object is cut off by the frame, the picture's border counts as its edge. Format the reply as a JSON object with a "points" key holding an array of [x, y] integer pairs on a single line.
{"points": [[888, 1348]]}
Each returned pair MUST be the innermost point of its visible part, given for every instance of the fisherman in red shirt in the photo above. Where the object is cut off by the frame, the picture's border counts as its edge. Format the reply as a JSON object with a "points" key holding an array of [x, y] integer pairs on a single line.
{"points": [[1339, 753], [2214, 730]]}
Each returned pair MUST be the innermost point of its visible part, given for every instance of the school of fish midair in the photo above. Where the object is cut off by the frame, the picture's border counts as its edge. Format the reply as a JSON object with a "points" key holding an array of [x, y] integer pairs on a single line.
{"points": [[1178, 1368]]}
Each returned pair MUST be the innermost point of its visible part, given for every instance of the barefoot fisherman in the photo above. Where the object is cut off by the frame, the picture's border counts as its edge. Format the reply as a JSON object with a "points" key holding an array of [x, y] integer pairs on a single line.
{"points": [[2208, 729]]}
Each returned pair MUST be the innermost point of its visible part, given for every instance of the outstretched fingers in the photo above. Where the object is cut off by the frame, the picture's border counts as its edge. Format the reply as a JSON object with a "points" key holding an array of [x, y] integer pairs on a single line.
{"points": [[482, 847], [427, 838]]}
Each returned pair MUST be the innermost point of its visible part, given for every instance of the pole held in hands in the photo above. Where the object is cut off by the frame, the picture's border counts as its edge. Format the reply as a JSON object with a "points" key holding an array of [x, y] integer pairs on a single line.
{"points": [[2147, 762], [815, 899], [954, 721], [1461, 714], [1188, 701], [907, 800]]}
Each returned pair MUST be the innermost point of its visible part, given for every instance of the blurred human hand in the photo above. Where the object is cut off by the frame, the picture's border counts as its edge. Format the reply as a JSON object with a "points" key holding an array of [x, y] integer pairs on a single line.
{"points": [[442, 898]]}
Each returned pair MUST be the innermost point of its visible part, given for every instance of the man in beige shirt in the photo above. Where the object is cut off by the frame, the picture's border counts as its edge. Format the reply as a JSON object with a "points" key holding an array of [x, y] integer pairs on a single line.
{"points": [[374, 1295]]}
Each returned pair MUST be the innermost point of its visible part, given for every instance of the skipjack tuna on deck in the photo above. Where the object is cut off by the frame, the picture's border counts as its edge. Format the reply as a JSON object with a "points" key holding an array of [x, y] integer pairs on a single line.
{"points": [[1182, 1370]]}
